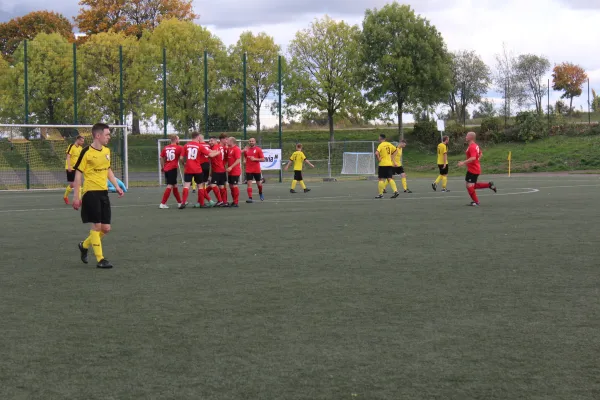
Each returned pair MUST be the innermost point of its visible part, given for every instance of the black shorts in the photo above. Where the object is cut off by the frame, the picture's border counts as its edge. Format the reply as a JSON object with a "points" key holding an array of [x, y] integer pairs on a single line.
{"points": [[198, 178], [171, 177], [384, 172], [218, 178], [297, 175], [398, 170], [250, 177], [70, 176], [233, 180], [95, 207], [205, 173], [471, 178], [443, 171]]}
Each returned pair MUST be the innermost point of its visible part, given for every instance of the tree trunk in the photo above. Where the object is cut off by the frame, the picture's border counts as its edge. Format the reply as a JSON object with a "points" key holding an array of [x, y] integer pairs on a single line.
{"points": [[571, 105], [135, 124], [330, 118], [258, 123], [400, 123]]}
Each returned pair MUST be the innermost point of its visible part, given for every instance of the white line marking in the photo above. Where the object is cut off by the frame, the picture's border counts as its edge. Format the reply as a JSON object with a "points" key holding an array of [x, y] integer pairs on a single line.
{"points": [[69, 208]]}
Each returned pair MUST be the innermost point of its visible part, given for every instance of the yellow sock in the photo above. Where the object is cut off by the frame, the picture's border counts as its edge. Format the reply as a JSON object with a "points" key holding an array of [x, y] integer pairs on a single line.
{"points": [[302, 184], [381, 186], [193, 184], [439, 178], [88, 241], [393, 185], [444, 181], [294, 185], [404, 185], [96, 244], [67, 191]]}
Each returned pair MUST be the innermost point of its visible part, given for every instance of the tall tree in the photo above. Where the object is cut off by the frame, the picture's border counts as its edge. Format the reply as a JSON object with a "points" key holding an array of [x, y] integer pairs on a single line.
{"points": [[508, 82], [321, 75], [100, 76], [132, 17], [530, 70], [261, 68], [569, 78], [404, 58], [595, 101], [471, 78], [13, 32], [185, 43]]}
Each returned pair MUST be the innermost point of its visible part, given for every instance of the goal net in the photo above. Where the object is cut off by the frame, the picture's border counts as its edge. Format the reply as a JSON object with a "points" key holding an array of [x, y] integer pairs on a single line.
{"points": [[162, 143], [33, 156], [352, 158]]}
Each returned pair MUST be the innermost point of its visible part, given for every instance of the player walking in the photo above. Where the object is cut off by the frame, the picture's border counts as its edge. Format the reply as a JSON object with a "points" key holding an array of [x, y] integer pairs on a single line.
{"points": [[298, 159], [169, 163], [73, 152], [234, 170], [474, 169], [193, 169], [442, 162], [253, 155], [93, 165], [399, 169], [385, 152]]}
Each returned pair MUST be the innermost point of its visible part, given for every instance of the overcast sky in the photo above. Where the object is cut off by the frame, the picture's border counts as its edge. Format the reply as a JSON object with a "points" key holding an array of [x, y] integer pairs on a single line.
{"points": [[562, 30]]}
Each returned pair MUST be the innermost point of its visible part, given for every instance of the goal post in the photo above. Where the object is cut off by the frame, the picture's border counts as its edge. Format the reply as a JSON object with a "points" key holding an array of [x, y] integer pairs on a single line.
{"points": [[33, 156], [352, 158]]}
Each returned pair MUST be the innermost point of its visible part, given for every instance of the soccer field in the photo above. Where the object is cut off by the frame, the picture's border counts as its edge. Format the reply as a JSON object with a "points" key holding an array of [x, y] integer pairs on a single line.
{"points": [[329, 294]]}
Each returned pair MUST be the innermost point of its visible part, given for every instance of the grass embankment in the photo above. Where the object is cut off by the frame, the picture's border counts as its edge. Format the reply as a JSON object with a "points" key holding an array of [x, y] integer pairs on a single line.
{"points": [[559, 153]]}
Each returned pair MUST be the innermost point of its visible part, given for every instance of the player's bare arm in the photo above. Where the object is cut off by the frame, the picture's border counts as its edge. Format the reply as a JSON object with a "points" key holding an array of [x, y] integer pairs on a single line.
{"points": [[162, 164], [394, 158], [308, 162], [76, 189], [113, 180], [70, 167], [467, 161], [232, 166], [378, 156], [445, 159]]}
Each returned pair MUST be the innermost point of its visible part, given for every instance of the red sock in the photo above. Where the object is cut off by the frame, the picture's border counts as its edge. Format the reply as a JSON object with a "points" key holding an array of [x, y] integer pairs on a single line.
{"points": [[207, 193], [176, 193], [224, 195], [259, 189], [236, 194], [471, 190], [482, 186], [249, 192], [217, 194], [201, 193], [186, 192], [166, 195]]}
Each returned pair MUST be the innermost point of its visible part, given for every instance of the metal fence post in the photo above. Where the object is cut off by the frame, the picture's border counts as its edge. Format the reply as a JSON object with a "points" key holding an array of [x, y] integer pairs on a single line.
{"points": [[26, 84], [206, 125], [75, 83], [165, 120], [280, 119], [329, 158], [244, 62]]}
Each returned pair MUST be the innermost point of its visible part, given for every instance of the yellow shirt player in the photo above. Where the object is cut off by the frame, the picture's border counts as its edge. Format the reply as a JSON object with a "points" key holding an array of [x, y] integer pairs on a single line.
{"points": [[399, 168], [72, 152], [298, 159], [442, 162], [94, 166], [385, 152]]}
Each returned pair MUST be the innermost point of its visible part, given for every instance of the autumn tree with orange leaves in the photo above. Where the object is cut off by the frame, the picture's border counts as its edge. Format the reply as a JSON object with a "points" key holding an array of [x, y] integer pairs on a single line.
{"points": [[569, 78], [13, 32], [131, 17]]}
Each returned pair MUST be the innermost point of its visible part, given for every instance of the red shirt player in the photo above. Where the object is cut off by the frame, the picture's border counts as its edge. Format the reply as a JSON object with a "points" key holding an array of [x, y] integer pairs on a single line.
{"points": [[194, 153], [253, 155], [218, 176], [234, 169], [474, 169], [169, 162]]}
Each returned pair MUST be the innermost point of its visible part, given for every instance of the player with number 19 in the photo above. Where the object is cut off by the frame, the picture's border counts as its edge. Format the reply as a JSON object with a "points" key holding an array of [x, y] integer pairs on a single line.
{"points": [[169, 163], [193, 167]]}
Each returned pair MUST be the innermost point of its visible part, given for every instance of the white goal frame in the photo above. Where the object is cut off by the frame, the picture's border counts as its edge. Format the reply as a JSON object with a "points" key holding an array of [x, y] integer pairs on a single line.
{"points": [[124, 128]]}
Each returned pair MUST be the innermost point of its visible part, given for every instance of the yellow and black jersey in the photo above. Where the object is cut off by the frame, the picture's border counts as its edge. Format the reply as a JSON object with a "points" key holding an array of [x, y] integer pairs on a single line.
{"points": [[94, 165], [385, 150], [74, 151]]}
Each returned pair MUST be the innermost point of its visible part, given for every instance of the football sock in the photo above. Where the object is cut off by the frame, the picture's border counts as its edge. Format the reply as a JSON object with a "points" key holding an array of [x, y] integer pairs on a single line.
{"points": [[393, 185], [294, 184], [96, 244], [439, 178], [166, 195], [381, 186], [224, 195], [176, 193], [236, 194], [68, 190], [482, 186], [186, 192], [217, 194], [201, 196], [444, 181], [302, 184], [87, 241], [249, 192], [404, 185], [471, 190], [259, 189], [193, 184], [207, 193]]}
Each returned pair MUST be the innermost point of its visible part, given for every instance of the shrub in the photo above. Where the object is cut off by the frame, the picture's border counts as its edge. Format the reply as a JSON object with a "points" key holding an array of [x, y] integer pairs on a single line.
{"points": [[530, 126], [425, 131], [490, 124]]}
